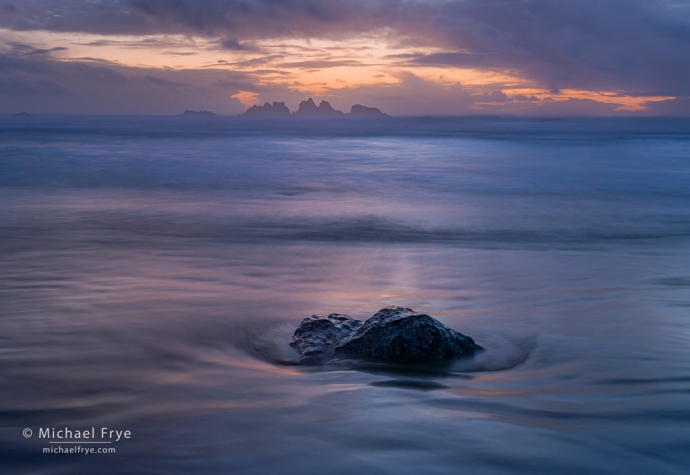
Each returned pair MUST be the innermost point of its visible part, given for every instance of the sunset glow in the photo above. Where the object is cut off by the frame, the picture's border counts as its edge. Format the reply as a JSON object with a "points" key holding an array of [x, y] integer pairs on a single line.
{"points": [[406, 52]]}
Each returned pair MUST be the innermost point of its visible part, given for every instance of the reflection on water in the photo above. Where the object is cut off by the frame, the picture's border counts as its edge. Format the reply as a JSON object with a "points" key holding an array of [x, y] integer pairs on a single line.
{"points": [[152, 276]]}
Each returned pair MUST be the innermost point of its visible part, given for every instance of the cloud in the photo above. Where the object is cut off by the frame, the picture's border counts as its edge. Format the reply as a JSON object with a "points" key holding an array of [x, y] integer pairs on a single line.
{"points": [[27, 50], [165, 82], [47, 51], [143, 43], [493, 96], [673, 108], [457, 59], [633, 47], [234, 45], [40, 84], [36, 88], [180, 53], [240, 19], [257, 61], [411, 96], [321, 64]]}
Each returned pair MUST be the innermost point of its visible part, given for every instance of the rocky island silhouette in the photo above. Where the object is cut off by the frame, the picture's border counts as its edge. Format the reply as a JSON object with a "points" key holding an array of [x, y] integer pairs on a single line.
{"points": [[277, 109], [306, 109], [309, 108]]}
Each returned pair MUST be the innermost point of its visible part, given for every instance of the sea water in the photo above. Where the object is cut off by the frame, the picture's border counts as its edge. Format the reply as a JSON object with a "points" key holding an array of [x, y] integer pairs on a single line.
{"points": [[152, 271]]}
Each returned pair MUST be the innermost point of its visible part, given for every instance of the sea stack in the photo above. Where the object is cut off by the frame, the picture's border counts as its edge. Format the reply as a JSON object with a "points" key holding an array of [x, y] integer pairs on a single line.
{"points": [[277, 109], [309, 108], [364, 111]]}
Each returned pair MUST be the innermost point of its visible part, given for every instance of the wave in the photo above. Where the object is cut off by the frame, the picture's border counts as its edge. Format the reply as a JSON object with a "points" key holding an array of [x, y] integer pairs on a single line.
{"points": [[513, 128], [132, 228]]}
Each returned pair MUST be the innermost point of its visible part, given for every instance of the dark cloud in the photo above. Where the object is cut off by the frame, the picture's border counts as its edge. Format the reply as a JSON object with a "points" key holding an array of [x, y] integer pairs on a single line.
{"points": [[99, 74], [143, 43], [257, 61], [36, 88], [523, 98], [492, 96], [165, 82], [233, 45], [412, 96], [634, 45], [572, 107], [41, 84], [47, 51], [24, 49], [241, 18], [673, 108], [456, 59], [240, 82], [639, 47]]}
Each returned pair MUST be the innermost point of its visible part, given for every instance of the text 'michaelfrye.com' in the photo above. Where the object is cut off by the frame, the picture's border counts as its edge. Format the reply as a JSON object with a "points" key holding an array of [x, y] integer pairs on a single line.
{"points": [[79, 441]]}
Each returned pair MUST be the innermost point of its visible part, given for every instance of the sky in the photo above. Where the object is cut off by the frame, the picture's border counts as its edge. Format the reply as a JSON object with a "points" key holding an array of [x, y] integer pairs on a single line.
{"points": [[415, 57]]}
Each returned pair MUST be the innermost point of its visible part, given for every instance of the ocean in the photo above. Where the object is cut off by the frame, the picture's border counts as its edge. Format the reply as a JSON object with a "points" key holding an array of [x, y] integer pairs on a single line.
{"points": [[152, 271]]}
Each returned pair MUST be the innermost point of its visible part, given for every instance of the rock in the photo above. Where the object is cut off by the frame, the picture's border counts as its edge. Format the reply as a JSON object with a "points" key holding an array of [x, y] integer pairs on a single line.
{"points": [[325, 108], [22, 115], [364, 111], [309, 108], [402, 335], [393, 334], [316, 337], [189, 113], [277, 109]]}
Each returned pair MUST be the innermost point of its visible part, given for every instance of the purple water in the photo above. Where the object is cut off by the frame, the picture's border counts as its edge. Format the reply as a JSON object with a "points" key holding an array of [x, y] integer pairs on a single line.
{"points": [[153, 270]]}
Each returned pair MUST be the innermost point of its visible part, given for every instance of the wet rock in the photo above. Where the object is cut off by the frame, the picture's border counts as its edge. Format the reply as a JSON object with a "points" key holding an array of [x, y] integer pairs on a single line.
{"points": [[394, 334], [402, 335], [317, 336]]}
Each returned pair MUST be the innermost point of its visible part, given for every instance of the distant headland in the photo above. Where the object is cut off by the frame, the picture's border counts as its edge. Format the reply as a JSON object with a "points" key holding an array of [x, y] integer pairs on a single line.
{"points": [[309, 108], [189, 113]]}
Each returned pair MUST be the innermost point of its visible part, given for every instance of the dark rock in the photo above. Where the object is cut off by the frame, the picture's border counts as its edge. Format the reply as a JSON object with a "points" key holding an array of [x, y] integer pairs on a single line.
{"points": [[189, 113], [363, 111], [316, 337], [277, 109], [401, 334], [325, 108], [309, 108], [393, 334]]}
